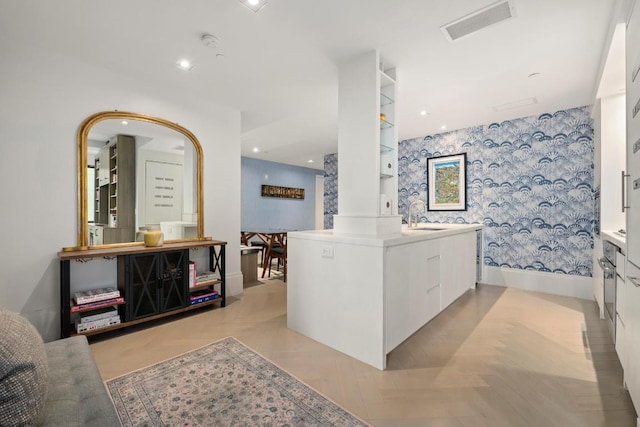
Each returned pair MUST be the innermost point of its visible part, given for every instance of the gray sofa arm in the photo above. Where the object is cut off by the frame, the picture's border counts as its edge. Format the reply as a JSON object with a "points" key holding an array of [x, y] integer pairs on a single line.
{"points": [[76, 395]]}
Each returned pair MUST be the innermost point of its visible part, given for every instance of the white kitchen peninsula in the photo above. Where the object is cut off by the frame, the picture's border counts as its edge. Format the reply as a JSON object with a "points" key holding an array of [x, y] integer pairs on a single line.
{"points": [[364, 295]]}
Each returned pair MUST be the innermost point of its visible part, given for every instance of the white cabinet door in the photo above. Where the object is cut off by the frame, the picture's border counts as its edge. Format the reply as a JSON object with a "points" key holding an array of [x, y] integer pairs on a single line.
{"points": [[396, 293], [621, 311], [422, 279], [426, 289], [632, 333], [633, 136], [412, 289], [458, 266]]}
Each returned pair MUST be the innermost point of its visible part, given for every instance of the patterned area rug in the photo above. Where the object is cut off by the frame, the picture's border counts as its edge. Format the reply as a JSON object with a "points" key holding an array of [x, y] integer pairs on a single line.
{"points": [[222, 384]]}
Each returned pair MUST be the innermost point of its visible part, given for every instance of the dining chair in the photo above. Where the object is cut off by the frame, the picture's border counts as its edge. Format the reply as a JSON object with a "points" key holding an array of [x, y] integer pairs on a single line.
{"points": [[279, 252], [263, 248]]}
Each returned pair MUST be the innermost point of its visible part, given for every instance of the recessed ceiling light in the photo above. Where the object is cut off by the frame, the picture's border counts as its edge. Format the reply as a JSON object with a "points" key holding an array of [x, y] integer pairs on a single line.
{"points": [[423, 112], [184, 64], [255, 150], [254, 5], [124, 122], [309, 161], [443, 127]]}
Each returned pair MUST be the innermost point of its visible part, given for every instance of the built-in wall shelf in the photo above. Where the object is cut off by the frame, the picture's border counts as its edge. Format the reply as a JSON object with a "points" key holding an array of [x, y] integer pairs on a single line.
{"points": [[386, 100], [386, 80], [384, 124], [388, 143]]}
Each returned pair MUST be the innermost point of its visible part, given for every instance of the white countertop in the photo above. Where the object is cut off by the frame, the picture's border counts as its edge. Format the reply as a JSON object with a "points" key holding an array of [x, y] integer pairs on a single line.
{"points": [[614, 237], [405, 236]]}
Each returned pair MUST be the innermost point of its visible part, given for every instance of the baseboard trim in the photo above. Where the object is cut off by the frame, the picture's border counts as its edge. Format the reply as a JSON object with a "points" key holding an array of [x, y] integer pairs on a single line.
{"points": [[550, 283], [234, 284]]}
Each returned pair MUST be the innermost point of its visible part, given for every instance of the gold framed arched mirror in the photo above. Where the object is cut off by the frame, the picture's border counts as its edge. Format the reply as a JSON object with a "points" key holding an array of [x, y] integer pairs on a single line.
{"points": [[137, 172]]}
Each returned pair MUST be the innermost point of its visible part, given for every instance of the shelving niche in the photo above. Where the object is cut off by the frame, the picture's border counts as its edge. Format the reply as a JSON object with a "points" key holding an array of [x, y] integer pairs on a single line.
{"points": [[388, 143]]}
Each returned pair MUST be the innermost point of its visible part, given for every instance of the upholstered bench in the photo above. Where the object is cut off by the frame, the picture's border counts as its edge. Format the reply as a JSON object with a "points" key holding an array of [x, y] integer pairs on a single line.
{"points": [[52, 384]]}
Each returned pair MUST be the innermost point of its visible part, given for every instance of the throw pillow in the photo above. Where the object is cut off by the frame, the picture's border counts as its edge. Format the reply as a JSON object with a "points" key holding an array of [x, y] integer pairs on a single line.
{"points": [[23, 371]]}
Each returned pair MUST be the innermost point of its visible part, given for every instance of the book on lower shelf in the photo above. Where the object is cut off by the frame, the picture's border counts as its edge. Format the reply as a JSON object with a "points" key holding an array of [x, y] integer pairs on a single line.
{"points": [[76, 308], [192, 273], [99, 314], [93, 295], [206, 276], [97, 324], [204, 295]]}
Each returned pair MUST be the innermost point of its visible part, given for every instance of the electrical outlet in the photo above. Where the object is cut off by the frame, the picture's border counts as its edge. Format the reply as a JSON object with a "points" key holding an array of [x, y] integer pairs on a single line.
{"points": [[327, 251]]}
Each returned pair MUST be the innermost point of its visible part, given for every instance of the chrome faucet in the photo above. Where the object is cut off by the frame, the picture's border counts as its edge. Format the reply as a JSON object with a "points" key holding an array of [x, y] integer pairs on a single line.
{"points": [[414, 203]]}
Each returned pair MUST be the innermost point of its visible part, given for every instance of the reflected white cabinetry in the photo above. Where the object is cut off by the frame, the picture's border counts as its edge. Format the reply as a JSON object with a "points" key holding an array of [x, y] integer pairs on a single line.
{"points": [[95, 235], [173, 230]]}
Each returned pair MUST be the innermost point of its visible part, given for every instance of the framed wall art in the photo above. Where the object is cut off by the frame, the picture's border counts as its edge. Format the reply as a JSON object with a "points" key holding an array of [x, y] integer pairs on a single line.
{"points": [[282, 192], [447, 183]]}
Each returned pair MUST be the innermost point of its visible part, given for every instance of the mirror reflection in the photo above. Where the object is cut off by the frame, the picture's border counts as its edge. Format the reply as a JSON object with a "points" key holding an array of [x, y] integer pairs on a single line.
{"points": [[140, 176]]}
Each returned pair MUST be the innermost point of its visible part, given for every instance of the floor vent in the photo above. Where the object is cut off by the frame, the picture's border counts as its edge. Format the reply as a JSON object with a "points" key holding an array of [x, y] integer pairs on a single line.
{"points": [[482, 18]]}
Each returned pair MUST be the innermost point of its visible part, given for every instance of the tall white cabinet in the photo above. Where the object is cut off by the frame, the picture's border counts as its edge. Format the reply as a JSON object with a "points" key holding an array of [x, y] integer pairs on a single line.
{"points": [[632, 267]]}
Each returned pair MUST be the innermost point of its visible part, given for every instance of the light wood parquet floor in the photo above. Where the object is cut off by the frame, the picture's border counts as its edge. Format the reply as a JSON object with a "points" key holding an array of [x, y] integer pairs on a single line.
{"points": [[496, 357]]}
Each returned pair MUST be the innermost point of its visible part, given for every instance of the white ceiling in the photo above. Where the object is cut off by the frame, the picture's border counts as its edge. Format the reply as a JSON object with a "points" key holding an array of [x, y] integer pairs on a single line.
{"points": [[280, 65]]}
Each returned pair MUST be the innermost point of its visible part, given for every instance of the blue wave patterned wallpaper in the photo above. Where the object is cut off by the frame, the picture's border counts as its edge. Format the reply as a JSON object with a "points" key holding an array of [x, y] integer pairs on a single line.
{"points": [[530, 182], [330, 189]]}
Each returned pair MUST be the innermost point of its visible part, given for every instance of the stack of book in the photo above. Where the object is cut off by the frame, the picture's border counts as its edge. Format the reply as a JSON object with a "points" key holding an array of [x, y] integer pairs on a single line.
{"points": [[206, 276], [97, 319], [99, 306], [95, 295], [204, 295]]}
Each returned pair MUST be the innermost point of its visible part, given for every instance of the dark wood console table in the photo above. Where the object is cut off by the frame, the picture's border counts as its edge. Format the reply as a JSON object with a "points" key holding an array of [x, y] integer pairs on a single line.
{"points": [[148, 296]]}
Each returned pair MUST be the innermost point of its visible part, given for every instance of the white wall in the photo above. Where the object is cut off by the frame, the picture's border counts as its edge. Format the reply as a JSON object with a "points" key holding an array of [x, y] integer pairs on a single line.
{"points": [[45, 97]]}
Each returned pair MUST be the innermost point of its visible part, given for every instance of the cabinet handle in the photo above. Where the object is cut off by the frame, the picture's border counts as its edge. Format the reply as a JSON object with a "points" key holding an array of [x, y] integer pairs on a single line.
{"points": [[635, 281], [624, 205]]}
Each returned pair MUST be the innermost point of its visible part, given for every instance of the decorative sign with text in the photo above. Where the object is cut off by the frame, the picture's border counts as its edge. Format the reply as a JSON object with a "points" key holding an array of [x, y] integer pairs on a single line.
{"points": [[282, 192], [164, 192]]}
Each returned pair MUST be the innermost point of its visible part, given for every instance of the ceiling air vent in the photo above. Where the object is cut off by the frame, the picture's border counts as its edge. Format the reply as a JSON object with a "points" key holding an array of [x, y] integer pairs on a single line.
{"points": [[482, 18]]}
